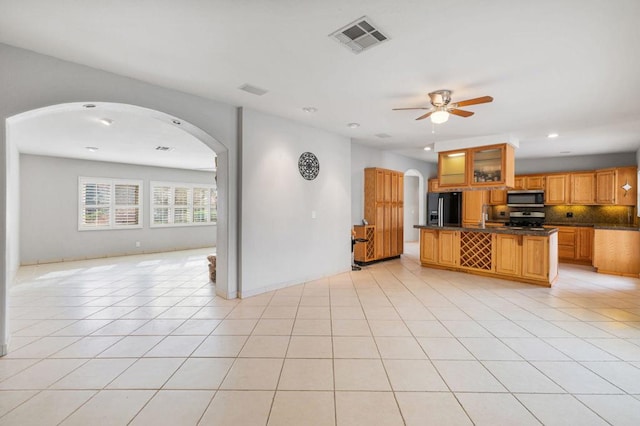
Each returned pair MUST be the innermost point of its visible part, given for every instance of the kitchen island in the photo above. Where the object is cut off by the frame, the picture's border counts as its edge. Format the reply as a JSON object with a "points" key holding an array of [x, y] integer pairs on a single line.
{"points": [[521, 254]]}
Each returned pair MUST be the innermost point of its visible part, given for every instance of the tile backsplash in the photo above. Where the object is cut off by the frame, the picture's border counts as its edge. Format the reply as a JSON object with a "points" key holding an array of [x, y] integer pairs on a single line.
{"points": [[621, 215]]}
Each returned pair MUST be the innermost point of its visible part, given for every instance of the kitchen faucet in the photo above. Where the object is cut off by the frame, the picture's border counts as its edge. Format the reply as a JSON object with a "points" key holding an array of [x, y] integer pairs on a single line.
{"points": [[484, 212]]}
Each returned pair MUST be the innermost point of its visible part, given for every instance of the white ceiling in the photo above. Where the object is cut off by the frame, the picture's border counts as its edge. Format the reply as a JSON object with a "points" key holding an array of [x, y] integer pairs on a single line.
{"points": [[567, 66], [132, 137]]}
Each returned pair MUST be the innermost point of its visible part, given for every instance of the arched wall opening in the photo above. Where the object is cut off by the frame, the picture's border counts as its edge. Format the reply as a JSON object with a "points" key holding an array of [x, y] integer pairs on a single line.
{"points": [[226, 285], [414, 203]]}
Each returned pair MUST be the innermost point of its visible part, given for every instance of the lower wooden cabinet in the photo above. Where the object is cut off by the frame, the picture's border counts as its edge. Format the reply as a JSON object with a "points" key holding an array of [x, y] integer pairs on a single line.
{"points": [[528, 258], [535, 257], [617, 252], [428, 246], [508, 254], [448, 248], [575, 244]]}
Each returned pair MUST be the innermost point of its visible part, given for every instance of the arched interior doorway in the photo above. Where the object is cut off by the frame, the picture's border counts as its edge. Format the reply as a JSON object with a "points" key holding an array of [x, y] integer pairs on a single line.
{"points": [[414, 203], [155, 125]]}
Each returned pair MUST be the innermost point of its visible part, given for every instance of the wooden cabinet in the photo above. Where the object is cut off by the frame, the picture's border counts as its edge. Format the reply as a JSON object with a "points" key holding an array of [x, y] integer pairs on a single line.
{"points": [[433, 185], [532, 259], [472, 202], [606, 186], [483, 167], [535, 257], [508, 254], [528, 182], [448, 248], [428, 246], [452, 169], [383, 208], [498, 197], [566, 243], [616, 252], [575, 244], [583, 188], [627, 175], [557, 188], [365, 252], [584, 244]]}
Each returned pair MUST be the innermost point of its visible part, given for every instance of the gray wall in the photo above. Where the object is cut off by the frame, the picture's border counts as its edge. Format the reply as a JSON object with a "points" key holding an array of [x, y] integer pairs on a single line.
{"points": [[411, 216], [282, 243], [363, 157], [575, 163], [50, 184]]}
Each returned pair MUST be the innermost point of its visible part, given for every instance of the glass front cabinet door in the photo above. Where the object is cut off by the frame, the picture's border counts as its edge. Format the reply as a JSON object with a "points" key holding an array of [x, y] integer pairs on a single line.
{"points": [[452, 169]]}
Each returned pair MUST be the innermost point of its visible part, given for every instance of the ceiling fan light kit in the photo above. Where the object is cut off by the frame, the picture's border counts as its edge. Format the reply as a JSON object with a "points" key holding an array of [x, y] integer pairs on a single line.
{"points": [[442, 107]]}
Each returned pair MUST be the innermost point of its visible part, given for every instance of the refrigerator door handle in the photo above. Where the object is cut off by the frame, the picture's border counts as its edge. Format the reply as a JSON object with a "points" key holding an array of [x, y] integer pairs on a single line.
{"points": [[440, 211]]}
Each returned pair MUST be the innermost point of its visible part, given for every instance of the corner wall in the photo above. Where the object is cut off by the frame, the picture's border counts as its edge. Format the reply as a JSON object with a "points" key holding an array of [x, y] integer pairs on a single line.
{"points": [[282, 243], [50, 184]]}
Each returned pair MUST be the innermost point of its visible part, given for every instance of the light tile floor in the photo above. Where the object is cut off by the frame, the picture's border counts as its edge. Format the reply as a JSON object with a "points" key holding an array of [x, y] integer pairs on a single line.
{"points": [[143, 340]]}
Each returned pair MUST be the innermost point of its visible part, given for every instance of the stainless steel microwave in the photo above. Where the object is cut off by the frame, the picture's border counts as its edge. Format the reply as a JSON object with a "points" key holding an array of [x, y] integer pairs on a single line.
{"points": [[531, 198]]}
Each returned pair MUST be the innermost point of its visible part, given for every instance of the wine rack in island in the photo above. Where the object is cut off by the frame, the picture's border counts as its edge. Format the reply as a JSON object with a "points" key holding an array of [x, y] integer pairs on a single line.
{"points": [[384, 211]]}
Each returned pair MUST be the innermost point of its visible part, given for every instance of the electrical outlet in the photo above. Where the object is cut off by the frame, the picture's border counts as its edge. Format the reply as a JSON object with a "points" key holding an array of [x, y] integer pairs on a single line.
{"points": [[569, 214], [502, 213]]}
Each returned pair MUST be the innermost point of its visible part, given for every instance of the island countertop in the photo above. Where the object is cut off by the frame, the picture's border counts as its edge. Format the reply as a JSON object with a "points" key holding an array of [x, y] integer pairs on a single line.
{"points": [[515, 230]]}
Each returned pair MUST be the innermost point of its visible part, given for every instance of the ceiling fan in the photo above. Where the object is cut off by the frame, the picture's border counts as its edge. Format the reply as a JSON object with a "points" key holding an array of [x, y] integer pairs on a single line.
{"points": [[441, 106]]}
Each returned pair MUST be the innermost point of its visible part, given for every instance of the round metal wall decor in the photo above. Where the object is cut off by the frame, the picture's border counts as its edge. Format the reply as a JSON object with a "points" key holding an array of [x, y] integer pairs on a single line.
{"points": [[309, 166]]}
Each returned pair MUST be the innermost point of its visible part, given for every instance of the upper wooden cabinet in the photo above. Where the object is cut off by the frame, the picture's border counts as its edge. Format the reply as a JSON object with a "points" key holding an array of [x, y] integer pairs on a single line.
{"points": [[606, 186], [527, 182], [452, 169], [472, 202], [483, 167], [433, 185], [557, 188], [583, 188], [498, 197]]}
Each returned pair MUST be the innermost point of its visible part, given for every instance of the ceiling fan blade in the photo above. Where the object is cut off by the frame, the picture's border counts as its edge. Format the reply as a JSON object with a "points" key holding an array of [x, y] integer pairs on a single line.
{"points": [[401, 109], [474, 101], [461, 112], [422, 117]]}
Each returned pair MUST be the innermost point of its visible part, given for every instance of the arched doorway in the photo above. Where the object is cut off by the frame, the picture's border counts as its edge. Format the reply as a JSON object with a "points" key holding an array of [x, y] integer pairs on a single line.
{"points": [[414, 203], [225, 287]]}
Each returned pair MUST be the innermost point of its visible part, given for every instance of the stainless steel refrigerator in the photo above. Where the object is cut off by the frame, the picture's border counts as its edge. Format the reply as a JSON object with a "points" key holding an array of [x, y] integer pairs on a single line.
{"points": [[444, 208]]}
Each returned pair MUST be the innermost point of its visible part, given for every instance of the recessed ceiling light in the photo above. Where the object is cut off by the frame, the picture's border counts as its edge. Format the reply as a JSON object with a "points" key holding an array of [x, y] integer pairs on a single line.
{"points": [[106, 121], [353, 125], [427, 148], [310, 110], [91, 148], [89, 105], [178, 122], [552, 135]]}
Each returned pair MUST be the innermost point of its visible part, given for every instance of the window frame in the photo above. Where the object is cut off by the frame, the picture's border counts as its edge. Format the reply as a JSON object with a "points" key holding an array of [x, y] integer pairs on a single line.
{"points": [[171, 204], [112, 206]]}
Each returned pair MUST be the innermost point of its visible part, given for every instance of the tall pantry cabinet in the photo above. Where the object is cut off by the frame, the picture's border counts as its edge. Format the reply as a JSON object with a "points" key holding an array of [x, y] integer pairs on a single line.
{"points": [[384, 209]]}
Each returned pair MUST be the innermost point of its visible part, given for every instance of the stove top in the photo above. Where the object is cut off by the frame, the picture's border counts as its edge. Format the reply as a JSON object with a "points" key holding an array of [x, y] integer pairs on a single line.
{"points": [[526, 219]]}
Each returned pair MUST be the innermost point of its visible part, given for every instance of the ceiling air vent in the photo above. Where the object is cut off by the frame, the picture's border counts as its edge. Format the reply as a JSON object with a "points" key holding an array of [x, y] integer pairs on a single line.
{"points": [[253, 89], [164, 148], [383, 135], [359, 35]]}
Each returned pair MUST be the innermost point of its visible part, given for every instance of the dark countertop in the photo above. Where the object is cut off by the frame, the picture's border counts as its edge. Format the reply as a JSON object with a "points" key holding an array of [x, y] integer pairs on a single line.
{"points": [[493, 230], [614, 226]]}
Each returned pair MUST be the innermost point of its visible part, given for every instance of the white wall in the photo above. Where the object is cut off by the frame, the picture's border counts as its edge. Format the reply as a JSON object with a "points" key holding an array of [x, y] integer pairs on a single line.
{"points": [[50, 185], [363, 157], [411, 200], [29, 81], [575, 163], [282, 244]]}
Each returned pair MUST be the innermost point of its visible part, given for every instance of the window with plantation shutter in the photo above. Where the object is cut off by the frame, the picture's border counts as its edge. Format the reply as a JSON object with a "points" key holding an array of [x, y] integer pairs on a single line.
{"points": [[183, 204], [109, 204]]}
